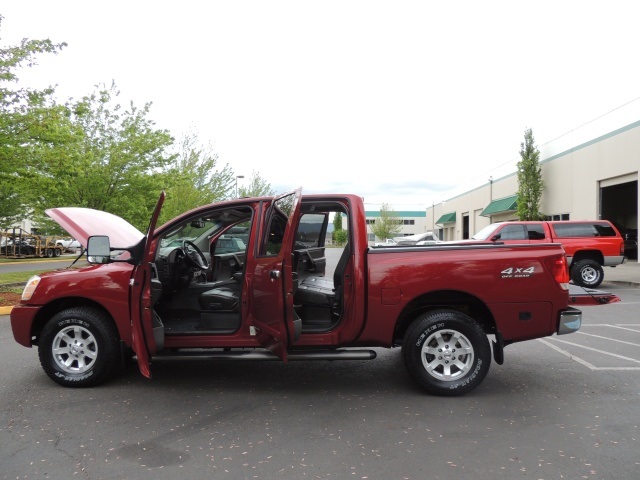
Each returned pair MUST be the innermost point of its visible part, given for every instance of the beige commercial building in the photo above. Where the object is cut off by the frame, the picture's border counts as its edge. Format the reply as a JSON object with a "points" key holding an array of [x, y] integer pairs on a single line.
{"points": [[595, 179]]}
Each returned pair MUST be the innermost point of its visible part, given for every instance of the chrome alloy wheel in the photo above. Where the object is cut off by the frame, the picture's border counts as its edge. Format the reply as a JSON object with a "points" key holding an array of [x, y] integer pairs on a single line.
{"points": [[447, 355], [589, 274], [74, 349]]}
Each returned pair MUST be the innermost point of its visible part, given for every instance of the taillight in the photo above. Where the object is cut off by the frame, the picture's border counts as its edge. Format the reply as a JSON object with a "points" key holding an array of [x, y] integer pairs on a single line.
{"points": [[559, 270], [622, 249]]}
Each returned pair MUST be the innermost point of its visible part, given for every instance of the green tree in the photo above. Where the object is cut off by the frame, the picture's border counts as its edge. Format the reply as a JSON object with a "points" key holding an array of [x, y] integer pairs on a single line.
{"points": [[339, 235], [530, 183], [118, 163], [258, 187], [387, 224], [31, 124], [195, 179]]}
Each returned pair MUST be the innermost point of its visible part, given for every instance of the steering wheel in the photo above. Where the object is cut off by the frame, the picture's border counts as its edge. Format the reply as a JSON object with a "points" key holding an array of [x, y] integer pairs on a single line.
{"points": [[194, 256]]}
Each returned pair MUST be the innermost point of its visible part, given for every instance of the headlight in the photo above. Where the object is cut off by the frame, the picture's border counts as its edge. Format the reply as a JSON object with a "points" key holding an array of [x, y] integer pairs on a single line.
{"points": [[30, 287]]}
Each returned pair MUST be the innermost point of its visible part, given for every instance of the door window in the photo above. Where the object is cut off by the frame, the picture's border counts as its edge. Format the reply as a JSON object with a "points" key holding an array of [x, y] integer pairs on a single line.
{"points": [[512, 232]]}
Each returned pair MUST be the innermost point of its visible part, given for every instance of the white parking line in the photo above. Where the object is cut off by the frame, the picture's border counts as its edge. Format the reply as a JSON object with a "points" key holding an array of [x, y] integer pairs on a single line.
{"points": [[567, 354], [604, 352], [584, 362], [623, 328], [610, 339]]}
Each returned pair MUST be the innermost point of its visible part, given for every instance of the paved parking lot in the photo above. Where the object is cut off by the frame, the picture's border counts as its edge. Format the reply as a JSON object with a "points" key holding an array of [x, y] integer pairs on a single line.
{"points": [[561, 407], [601, 346]]}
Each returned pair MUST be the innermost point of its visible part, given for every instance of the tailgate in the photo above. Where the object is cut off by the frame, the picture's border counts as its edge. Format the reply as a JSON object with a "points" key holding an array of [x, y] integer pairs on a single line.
{"points": [[589, 296]]}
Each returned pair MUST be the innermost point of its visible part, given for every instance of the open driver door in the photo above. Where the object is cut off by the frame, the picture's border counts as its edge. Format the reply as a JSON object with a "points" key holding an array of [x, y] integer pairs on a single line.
{"points": [[146, 334]]}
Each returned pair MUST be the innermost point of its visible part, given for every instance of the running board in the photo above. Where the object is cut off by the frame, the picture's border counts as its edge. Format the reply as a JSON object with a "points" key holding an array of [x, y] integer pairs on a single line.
{"points": [[266, 355]]}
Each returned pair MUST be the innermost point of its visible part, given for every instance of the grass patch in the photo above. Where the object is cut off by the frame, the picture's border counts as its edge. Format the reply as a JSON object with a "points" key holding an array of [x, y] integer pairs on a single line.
{"points": [[19, 277], [31, 259], [7, 289]]}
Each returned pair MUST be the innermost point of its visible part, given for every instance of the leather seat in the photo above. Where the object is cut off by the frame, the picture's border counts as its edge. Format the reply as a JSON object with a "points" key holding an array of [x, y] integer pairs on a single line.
{"points": [[320, 298]]}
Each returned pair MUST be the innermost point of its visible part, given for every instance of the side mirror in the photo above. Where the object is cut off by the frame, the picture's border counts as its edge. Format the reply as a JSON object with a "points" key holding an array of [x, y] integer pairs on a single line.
{"points": [[197, 224], [495, 238], [98, 249]]}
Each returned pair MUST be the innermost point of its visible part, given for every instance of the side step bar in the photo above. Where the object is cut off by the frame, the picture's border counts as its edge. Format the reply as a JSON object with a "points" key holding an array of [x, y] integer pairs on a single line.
{"points": [[266, 355]]}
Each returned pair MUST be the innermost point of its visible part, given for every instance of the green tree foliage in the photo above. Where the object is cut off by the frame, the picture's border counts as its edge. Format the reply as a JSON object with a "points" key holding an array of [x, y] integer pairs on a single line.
{"points": [[194, 178], [258, 187], [118, 162], [337, 222], [339, 235], [95, 153], [530, 183], [388, 224], [31, 124]]}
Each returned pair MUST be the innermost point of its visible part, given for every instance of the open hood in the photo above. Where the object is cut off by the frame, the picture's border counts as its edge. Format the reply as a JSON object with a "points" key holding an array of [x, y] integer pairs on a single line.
{"points": [[82, 223]]}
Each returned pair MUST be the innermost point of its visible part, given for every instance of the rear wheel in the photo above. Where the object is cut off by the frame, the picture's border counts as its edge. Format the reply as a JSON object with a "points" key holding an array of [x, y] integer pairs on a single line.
{"points": [[78, 347], [446, 352], [50, 253], [587, 273]]}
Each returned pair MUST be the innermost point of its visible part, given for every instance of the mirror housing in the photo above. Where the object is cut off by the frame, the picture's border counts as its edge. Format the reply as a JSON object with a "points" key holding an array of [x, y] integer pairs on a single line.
{"points": [[98, 249]]}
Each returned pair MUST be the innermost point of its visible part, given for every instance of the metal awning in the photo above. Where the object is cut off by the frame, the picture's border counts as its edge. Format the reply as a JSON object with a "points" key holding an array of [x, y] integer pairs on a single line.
{"points": [[447, 218], [502, 205]]}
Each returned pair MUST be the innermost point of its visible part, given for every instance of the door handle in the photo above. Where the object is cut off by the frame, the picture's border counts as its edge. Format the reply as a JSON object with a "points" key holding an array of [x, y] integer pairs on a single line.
{"points": [[274, 274]]}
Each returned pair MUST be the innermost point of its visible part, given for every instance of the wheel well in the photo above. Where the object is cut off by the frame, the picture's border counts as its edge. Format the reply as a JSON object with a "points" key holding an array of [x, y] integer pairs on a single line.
{"points": [[58, 305], [595, 255], [450, 299]]}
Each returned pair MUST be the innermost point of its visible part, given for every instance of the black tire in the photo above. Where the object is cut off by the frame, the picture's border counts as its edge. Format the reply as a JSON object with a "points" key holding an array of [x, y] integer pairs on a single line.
{"points": [[57, 252], [429, 352], [86, 341], [49, 252], [587, 273]]}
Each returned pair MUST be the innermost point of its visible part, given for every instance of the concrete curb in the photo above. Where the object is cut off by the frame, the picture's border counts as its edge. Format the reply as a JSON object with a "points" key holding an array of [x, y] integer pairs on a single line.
{"points": [[5, 310]]}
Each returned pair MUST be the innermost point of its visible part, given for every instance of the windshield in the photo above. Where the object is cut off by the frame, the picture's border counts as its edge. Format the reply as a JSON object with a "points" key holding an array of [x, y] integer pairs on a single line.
{"points": [[192, 231], [486, 232]]}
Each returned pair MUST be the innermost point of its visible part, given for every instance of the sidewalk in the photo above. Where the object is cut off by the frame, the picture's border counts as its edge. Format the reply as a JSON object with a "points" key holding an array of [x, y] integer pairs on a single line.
{"points": [[627, 273]]}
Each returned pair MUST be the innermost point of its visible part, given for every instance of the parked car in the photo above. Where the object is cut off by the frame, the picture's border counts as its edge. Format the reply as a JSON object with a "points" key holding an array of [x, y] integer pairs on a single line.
{"points": [[389, 242], [427, 238]]}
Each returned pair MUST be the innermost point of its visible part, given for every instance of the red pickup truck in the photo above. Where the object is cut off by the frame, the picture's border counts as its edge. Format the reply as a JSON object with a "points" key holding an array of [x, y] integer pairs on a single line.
{"points": [[182, 290], [589, 245]]}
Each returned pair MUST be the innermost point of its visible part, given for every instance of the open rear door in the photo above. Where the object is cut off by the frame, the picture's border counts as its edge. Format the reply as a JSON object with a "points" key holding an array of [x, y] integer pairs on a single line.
{"points": [[272, 287], [142, 326]]}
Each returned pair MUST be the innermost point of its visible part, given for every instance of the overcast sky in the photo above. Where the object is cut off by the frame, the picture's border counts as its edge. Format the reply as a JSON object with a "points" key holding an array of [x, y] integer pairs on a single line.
{"points": [[401, 102]]}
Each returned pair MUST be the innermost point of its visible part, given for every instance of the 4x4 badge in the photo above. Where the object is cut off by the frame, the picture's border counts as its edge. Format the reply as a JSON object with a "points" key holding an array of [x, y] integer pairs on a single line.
{"points": [[518, 272]]}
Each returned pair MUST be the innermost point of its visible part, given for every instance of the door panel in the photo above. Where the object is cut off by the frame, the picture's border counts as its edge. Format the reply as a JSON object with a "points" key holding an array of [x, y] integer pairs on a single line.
{"points": [[272, 283], [143, 322]]}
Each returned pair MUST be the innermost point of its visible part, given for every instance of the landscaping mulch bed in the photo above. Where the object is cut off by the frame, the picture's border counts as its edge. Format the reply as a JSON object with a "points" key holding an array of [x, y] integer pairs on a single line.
{"points": [[9, 299]]}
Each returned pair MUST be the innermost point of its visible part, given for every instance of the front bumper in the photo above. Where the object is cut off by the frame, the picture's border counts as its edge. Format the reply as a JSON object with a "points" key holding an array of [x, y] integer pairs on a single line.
{"points": [[570, 321], [22, 318]]}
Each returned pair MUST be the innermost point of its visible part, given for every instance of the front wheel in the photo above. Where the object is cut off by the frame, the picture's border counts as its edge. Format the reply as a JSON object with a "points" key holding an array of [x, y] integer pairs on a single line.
{"points": [[587, 273], [446, 352], [78, 347]]}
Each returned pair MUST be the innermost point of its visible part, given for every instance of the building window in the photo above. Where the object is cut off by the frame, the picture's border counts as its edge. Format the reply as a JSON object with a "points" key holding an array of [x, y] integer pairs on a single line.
{"points": [[409, 222], [556, 217], [370, 221]]}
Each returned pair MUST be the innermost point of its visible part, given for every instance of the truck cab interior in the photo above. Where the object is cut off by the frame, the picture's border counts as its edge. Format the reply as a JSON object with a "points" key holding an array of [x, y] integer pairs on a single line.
{"points": [[197, 276]]}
